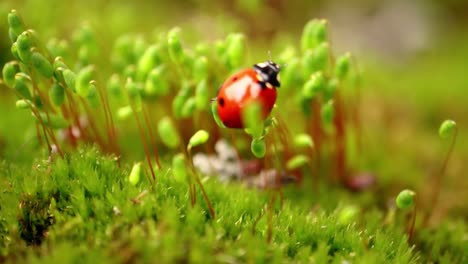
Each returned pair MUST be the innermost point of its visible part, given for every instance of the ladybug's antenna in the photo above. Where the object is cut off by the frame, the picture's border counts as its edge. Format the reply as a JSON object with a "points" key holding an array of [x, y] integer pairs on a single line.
{"points": [[269, 56]]}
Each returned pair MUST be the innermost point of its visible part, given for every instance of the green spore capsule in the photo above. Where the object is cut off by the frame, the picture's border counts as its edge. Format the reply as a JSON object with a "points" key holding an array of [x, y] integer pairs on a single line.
{"points": [[37, 101], [70, 79], [235, 49], [202, 49], [10, 69], [130, 71], [220, 48], [405, 199], [84, 55], [57, 94], [124, 112], [136, 174], [200, 137], [42, 65], [447, 128], [134, 94], [289, 74], [189, 107], [168, 133], [155, 84], [148, 61], [252, 119], [258, 147], [179, 101], [122, 52], [327, 112], [58, 62], [114, 86], [93, 95], [214, 112], [179, 169], [23, 104], [14, 50], [24, 46], [176, 51], [139, 46], [83, 78], [23, 85], [202, 96], [330, 89], [15, 23], [57, 48], [303, 141], [342, 66], [200, 68], [297, 161], [316, 59], [288, 54], [314, 85], [54, 121], [12, 34], [85, 39], [314, 33]]}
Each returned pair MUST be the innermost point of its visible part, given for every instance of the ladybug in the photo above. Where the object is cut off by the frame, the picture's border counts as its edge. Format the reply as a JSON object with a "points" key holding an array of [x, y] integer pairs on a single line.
{"points": [[256, 84]]}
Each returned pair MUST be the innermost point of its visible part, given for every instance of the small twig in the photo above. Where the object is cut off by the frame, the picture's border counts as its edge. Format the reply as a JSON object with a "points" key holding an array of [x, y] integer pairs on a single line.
{"points": [[137, 199]]}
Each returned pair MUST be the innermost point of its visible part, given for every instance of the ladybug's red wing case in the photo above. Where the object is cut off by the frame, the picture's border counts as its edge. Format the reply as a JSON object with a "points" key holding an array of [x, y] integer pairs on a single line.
{"points": [[240, 89]]}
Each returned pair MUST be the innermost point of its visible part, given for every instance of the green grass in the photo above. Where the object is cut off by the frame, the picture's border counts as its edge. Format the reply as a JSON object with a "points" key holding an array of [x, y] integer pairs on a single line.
{"points": [[85, 202]]}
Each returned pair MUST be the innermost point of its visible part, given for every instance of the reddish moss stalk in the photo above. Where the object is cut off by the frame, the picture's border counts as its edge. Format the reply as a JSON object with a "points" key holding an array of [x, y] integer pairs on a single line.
{"points": [[340, 140], [145, 144], [437, 179], [200, 184], [151, 135]]}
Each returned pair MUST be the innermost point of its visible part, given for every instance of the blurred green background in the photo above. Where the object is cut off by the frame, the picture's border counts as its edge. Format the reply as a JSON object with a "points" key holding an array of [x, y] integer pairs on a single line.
{"points": [[413, 55]]}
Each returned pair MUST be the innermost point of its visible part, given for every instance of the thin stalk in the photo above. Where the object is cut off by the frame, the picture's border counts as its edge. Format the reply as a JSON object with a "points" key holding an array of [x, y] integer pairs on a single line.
{"points": [[41, 122], [200, 184], [111, 126], [145, 144], [53, 138], [279, 167], [45, 101], [149, 179], [151, 136], [92, 124], [315, 131], [340, 137], [75, 115], [106, 117], [38, 134], [437, 179]]}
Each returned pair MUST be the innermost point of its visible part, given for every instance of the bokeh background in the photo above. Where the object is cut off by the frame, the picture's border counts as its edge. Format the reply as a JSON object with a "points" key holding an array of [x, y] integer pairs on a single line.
{"points": [[413, 55]]}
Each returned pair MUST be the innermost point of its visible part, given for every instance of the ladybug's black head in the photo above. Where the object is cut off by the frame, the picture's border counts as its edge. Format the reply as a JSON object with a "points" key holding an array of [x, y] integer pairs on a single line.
{"points": [[268, 73]]}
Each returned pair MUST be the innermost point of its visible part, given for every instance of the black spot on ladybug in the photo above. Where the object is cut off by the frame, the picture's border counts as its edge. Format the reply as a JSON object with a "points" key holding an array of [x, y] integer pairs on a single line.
{"points": [[235, 78], [221, 102]]}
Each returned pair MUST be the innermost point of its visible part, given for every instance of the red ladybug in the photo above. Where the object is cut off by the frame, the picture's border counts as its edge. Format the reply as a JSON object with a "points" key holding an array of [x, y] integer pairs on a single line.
{"points": [[258, 84]]}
